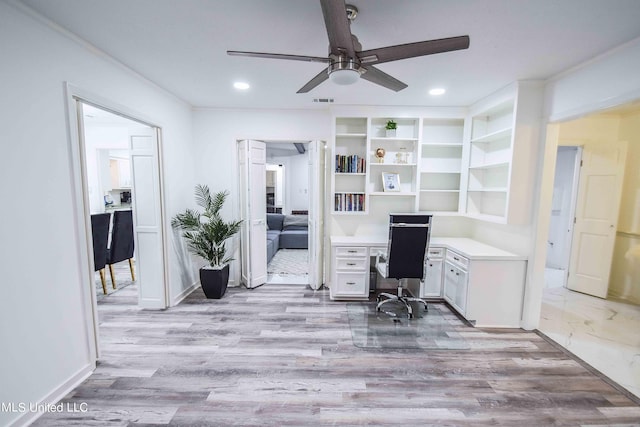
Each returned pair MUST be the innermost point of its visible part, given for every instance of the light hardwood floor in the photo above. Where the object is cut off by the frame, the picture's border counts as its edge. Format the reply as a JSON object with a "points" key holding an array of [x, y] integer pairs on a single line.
{"points": [[283, 355]]}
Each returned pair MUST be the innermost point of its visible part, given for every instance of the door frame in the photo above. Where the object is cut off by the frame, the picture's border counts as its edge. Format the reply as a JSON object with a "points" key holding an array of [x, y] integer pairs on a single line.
{"points": [[80, 196], [322, 272], [575, 181]]}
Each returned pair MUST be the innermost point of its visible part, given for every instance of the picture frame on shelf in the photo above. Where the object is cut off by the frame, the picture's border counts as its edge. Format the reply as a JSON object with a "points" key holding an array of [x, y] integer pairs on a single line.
{"points": [[390, 181]]}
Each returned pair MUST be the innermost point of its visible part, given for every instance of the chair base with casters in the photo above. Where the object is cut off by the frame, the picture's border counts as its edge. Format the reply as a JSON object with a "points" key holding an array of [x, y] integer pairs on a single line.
{"points": [[400, 298]]}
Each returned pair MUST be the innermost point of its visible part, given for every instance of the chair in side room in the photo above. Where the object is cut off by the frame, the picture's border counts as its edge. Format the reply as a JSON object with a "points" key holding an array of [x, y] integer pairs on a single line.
{"points": [[405, 258], [121, 248], [100, 236]]}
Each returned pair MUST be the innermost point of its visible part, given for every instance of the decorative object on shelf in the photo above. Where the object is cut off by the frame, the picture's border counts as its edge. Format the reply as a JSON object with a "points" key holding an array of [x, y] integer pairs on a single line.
{"points": [[380, 152], [391, 128], [402, 156], [390, 181], [206, 235]]}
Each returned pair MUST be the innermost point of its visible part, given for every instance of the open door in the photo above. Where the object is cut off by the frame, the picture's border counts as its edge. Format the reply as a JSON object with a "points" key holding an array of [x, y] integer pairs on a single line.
{"points": [[147, 222], [317, 163], [598, 204], [253, 209]]}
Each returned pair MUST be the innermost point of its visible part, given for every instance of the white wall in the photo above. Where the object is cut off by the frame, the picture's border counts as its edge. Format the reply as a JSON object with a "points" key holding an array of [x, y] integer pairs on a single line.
{"points": [[44, 341]]}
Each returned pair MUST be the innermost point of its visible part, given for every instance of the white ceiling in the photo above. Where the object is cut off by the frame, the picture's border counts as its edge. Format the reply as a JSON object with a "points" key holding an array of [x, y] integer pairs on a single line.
{"points": [[181, 44]]}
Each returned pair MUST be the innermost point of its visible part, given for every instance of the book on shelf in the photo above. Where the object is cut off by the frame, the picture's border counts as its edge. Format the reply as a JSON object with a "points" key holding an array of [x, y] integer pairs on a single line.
{"points": [[349, 202], [350, 164]]}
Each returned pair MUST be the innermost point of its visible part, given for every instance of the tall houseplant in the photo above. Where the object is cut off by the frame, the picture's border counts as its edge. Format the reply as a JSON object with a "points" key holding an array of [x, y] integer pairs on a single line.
{"points": [[206, 234]]}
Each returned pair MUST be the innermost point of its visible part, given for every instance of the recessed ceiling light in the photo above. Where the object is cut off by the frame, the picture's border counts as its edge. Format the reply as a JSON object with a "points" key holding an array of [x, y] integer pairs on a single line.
{"points": [[437, 91], [241, 85]]}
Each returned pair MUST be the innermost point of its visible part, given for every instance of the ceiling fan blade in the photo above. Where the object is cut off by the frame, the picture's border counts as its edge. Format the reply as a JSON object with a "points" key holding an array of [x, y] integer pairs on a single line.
{"points": [[411, 50], [381, 78], [321, 77], [338, 28], [278, 56]]}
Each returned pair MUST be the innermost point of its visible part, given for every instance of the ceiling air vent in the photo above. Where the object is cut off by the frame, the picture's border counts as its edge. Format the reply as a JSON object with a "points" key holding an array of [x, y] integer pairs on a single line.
{"points": [[325, 100]]}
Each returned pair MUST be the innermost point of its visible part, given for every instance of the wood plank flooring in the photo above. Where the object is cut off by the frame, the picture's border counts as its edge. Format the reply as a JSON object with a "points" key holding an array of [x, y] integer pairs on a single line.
{"points": [[282, 355]]}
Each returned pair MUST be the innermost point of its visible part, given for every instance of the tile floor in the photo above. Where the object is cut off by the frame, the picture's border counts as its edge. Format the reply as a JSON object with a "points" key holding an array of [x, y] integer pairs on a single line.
{"points": [[603, 333]]}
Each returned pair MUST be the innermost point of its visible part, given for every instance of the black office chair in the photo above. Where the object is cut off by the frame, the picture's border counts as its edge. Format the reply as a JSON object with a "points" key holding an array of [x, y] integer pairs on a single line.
{"points": [[405, 258], [121, 243], [100, 236]]}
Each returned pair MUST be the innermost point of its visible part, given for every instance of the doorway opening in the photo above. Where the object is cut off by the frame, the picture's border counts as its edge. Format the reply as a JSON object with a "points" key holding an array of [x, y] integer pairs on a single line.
{"points": [[109, 184], [116, 170], [593, 315], [287, 192], [283, 229], [565, 190]]}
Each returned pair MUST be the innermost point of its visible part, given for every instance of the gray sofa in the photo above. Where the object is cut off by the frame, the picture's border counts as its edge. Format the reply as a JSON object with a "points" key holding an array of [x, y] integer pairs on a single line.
{"points": [[286, 232]]}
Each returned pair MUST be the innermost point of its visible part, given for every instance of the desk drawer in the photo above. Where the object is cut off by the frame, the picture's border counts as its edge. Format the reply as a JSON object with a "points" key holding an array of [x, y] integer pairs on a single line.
{"points": [[435, 253], [457, 260], [354, 263], [351, 284], [351, 251]]}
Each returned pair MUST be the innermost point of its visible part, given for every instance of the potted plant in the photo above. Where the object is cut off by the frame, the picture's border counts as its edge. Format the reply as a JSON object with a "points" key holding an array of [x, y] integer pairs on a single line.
{"points": [[206, 234], [390, 128]]}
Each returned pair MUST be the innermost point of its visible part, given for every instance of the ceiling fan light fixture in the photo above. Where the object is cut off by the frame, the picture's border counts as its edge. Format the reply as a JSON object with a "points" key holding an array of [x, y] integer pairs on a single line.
{"points": [[344, 77], [344, 71]]}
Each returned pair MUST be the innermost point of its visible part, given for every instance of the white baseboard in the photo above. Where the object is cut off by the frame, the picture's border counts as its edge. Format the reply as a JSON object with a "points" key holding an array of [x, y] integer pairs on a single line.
{"points": [[178, 299], [55, 396]]}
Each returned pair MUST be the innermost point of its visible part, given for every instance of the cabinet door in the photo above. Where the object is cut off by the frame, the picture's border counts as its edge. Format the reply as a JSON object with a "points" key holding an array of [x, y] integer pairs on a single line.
{"points": [[432, 285], [461, 291], [450, 283]]}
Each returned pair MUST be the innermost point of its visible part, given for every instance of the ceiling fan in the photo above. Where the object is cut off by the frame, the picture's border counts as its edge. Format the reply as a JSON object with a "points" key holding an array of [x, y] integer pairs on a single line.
{"points": [[348, 62]]}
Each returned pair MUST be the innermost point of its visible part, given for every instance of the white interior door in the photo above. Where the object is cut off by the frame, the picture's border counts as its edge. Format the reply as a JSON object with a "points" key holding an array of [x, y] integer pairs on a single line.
{"points": [[598, 204], [316, 212], [147, 222], [253, 199]]}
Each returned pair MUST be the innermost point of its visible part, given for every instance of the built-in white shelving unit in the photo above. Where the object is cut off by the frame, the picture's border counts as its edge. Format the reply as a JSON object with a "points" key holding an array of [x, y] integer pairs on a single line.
{"points": [[440, 164], [503, 140], [350, 165]]}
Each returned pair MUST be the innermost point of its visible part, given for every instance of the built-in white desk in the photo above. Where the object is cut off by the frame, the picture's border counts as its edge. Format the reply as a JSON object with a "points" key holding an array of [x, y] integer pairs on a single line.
{"points": [[483, 283]]}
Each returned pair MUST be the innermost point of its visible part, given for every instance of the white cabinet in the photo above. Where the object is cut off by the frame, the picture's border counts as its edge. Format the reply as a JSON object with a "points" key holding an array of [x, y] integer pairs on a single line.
{"points": [[504, 138], [431, 287], [487, 292], [120, 173], [456, 281], [349, 272]]}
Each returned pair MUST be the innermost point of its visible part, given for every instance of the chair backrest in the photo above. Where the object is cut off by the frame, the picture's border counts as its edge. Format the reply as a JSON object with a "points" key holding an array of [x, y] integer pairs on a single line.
{"points": [[408, 241], [121, 237], [100, 234]]}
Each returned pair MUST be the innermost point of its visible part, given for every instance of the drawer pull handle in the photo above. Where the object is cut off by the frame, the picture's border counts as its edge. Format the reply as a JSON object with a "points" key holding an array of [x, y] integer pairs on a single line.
{"points": [[351, 283], [457, 259], [352, 252], [351, 263]]}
